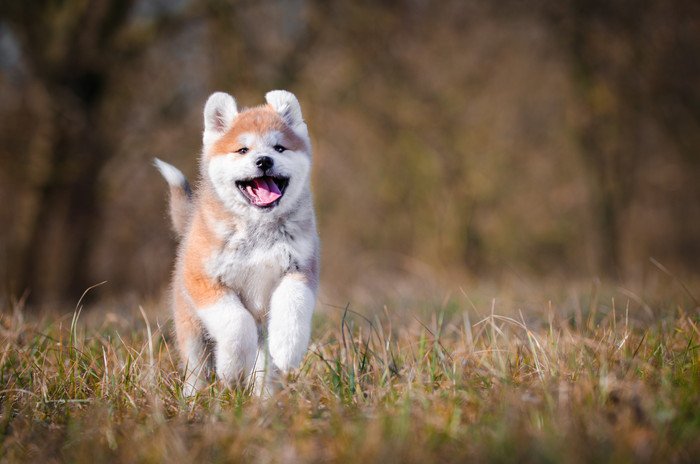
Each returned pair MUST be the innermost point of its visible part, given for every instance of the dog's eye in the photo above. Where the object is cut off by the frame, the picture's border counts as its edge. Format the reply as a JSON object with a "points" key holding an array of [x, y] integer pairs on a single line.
{"points": [[279, 148], [242, 151]]}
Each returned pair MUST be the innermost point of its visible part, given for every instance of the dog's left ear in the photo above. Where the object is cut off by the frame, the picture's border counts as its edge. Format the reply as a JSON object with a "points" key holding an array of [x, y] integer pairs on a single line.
{"points": [[287, 106]]}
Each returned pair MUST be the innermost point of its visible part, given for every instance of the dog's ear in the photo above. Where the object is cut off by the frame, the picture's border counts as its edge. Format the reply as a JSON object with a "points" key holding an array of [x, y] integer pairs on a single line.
{"points": [[219, 112], [287, 106]]}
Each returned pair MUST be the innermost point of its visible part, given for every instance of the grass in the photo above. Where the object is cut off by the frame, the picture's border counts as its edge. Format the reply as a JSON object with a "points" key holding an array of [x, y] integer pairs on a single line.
{"points": [[578, 379]]}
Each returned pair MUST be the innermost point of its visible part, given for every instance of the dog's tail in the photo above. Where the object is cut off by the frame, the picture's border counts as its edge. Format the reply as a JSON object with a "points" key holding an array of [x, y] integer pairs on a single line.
{"points": [[180, 195]]}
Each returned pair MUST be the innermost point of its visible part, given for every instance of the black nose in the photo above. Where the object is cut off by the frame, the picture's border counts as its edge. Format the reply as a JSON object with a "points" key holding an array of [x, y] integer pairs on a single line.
{"points": [[264, 163]]}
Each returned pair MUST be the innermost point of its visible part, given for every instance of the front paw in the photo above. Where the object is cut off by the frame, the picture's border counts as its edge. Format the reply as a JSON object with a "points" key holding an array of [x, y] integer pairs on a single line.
{"points": [[289, 329], [192, 385], [285, 355]]}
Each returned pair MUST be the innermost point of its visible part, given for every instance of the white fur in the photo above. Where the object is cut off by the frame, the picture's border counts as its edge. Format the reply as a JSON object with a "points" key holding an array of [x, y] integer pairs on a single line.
{"points": [[287, 106], [291, 308], [258, 271], [219, 113], [173, 176], [224, 171], [235, 335]]}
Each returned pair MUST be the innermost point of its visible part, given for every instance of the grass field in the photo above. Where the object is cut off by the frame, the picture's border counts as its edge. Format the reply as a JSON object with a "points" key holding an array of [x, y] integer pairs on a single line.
{"points": [[586, 374]]}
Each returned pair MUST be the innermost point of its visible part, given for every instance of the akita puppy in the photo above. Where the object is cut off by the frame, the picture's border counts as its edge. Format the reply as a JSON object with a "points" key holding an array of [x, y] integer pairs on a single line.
{"points": [[246, 275]]}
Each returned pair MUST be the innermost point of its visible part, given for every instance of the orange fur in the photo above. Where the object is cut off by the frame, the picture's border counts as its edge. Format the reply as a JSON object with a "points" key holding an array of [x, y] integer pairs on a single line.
{"points": [[200, 242], [308, 276], [258, 120], [187, 325]]}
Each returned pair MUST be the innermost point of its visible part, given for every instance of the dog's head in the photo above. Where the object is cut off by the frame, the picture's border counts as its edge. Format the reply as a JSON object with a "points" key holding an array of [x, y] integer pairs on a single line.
{"points": [[258, 160]]}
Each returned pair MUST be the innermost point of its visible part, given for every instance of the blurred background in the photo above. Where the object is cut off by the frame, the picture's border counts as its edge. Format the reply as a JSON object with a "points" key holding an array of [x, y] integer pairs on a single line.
{"points": [[454, 140]]}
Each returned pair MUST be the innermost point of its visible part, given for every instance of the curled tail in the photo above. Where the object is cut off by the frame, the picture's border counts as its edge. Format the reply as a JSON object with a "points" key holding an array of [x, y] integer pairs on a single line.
{"points": [[180, 195]]}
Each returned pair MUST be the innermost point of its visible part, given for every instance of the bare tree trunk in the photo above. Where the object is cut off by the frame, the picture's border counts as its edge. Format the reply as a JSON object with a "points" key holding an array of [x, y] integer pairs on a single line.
{"points": [[610, 95], [75, 72], [55, 260]]}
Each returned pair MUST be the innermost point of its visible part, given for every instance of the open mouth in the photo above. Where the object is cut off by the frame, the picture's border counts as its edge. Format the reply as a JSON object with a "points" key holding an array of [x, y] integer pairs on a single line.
{"points": [[263, 192]]}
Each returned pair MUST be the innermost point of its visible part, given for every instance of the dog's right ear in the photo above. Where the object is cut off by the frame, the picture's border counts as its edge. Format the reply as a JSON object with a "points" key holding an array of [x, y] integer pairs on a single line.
{"points": [[219, 112]]}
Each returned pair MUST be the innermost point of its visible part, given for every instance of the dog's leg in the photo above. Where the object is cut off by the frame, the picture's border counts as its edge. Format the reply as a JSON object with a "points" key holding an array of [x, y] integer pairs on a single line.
{"points": [[289, 327], [235, 335], [196, 365], [264, 374], [191, 344]]}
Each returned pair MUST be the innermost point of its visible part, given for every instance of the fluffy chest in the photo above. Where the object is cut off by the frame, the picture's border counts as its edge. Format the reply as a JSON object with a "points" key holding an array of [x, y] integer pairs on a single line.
{"points": [[252, 262]]}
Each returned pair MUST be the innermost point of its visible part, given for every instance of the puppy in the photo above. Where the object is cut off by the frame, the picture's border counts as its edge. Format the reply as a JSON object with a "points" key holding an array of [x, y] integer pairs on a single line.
{"points": [[246, 275]]}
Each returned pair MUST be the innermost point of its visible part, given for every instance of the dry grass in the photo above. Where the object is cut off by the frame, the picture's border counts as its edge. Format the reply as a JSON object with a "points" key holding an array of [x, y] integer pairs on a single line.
{"points": [[576, 380]]}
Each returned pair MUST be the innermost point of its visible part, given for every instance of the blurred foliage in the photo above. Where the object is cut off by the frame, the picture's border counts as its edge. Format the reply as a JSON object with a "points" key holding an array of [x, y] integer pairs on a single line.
{"points": [[451, 138]]}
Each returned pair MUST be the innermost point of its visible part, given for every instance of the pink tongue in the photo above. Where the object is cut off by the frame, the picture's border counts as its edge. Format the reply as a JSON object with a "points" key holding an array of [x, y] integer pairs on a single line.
{"points": [[264, 191]]}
